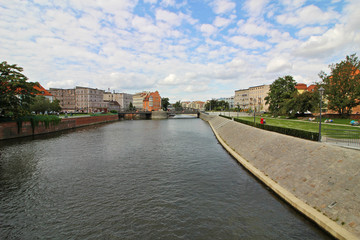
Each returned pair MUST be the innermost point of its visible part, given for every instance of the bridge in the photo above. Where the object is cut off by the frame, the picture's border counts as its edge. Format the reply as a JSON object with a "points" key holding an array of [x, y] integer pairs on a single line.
{"points": [[143, 114]]}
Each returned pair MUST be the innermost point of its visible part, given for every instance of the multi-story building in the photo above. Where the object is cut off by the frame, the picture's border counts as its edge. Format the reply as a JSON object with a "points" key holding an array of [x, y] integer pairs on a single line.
{"points": [[66, 98], [257, 96], [149, 101], [138, 100], [241, 98], [123, 99], [253, 97], [197, 105], [152, 102], [90, 100], [185, 104], [43, 92], [229, 100]]}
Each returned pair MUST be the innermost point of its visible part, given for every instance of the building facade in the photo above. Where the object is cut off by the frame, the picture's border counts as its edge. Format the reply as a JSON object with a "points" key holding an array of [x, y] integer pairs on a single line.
{"points": [[66, 97], [252, 98], [90, 100], [241, 99], [147, 101], [123, 99]]}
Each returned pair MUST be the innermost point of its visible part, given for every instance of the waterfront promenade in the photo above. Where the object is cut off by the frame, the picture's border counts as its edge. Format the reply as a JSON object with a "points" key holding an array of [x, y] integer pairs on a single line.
{"points": [[318, 179]]}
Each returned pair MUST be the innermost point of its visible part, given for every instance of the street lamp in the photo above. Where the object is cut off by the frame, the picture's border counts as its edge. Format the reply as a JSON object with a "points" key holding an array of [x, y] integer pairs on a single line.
{"points": [[321, 90]]}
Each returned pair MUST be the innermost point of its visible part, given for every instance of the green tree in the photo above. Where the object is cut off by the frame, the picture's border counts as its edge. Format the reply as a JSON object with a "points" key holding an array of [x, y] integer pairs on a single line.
{"points": [[300, 103], [55, 106], [165, 103], [342, 86], [16, 94], [281, 91], [42, 105], [178, 106], [131, 107]]}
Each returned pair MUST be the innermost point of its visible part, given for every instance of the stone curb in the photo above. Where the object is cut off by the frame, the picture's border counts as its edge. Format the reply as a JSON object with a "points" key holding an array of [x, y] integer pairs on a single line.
{"points": [[324, 222]]}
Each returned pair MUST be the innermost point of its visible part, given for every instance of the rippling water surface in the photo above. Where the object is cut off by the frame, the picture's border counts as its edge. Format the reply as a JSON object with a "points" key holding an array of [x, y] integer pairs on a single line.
{"points": [[167, 179]]}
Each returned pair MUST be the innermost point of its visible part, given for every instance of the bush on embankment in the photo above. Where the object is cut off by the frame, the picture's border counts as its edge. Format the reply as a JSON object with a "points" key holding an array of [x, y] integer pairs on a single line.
{"points": [[288, 131], [36, 119]]}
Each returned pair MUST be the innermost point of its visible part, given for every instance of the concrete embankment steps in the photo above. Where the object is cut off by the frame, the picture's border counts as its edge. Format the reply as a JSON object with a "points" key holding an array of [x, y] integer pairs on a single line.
{"points": [[318, 179]]}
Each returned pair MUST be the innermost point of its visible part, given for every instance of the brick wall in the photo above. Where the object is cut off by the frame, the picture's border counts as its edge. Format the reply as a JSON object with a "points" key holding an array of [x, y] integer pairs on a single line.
{"points": [[10, 129]]}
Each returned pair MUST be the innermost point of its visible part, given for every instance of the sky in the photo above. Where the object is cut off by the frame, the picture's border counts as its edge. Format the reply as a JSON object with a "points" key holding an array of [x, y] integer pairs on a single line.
{"points": [[188, 50]]}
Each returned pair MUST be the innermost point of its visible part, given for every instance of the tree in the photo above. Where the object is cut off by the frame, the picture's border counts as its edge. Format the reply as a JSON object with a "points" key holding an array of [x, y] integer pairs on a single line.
{"points": [[165, 103], [342, 86], [42, 105], [281, 91], [300, 103], [16, 94], [131, 107], [178, 106]]}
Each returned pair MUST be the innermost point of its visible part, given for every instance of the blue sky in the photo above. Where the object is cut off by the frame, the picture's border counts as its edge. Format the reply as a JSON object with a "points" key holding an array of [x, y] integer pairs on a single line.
{"points": [[185, 49]]}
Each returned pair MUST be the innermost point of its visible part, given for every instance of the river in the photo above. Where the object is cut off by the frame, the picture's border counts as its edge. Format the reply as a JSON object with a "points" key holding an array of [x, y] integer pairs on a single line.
{"points": [[143, 179]]}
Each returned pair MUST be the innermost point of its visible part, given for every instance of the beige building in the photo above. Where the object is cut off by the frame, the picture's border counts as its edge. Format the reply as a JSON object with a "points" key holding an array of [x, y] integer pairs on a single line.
{"points": [[253, 97], [123, 99], [138, 100], [185, 104], [90, 100], [66, 97]]}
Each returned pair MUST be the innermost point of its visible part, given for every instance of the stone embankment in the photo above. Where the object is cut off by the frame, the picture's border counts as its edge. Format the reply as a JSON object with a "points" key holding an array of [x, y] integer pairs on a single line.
{"points": [[320, 180], [10, 129]]}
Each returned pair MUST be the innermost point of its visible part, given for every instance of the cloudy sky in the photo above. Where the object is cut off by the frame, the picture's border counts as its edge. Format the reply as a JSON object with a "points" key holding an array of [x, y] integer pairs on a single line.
{"points": [[185, 49]]}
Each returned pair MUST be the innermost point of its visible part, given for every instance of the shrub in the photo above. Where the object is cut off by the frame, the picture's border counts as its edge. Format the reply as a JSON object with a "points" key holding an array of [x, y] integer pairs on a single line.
{"points": [[288, 131]]}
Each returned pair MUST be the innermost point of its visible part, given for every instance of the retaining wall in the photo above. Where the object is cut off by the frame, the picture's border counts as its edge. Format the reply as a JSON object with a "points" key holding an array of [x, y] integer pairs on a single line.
{"points": [[320, 180], [10, 129]]}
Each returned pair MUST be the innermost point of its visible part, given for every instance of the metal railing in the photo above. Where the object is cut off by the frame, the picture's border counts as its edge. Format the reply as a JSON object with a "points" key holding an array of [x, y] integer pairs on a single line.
{"points": [[350, 138]]}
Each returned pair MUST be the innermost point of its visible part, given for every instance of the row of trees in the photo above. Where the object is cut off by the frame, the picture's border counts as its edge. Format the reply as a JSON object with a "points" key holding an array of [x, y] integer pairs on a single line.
{"points": [[217, 105], [18, 97], [342, 90]]}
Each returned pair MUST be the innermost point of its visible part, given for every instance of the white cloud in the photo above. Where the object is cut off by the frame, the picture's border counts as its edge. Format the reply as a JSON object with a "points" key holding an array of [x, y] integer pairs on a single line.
{"points": [[67, 84], [171, 79], [307, 15], [221, 22], [310, 31], [223, 6], [248, 42], [208, 29], [278, 64], [334, 39], [168, 17], [255, 7]]}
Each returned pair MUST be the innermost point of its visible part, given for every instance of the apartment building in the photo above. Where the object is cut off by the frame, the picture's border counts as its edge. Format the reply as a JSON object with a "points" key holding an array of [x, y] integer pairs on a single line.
{"points": [[152, 101], [185, 104], [253, 97], [66, 98], [229, 100], [123, 99], [90, 100], [197, 105], [149, 101], [241, 98]]}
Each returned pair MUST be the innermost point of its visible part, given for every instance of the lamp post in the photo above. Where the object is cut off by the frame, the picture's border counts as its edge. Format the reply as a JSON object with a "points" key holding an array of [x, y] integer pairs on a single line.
{"points": [[321, 90]]}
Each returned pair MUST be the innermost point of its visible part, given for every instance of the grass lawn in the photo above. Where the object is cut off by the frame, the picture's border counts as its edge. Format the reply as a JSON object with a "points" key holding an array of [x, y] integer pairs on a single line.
{"points": [[304, 125]]}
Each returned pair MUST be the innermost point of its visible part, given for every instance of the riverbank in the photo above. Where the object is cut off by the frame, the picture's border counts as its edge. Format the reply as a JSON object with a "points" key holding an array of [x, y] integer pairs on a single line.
{"points": [[318, 179], [9, 130]]}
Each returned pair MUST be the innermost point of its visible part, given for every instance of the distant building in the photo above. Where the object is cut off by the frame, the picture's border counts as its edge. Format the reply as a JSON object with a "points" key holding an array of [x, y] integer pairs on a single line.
{"points": [[253, 97], [149, 101], [241, 98], [152, 102], [44, 92], [229, 100], [123, 99], [185, 104], [90, 100], [66, 98]]}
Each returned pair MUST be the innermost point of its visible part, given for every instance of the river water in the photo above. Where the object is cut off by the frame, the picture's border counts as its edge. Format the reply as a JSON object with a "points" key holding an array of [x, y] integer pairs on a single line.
{"points": [[166, 179]]}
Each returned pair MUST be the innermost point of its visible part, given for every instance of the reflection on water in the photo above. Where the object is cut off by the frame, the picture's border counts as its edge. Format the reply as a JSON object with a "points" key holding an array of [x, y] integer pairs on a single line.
{"points": [[137, 180]]}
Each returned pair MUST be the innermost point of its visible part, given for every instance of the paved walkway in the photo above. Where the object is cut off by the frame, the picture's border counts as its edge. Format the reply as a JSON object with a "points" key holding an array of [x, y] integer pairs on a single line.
{"points": [[323, 177]]}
